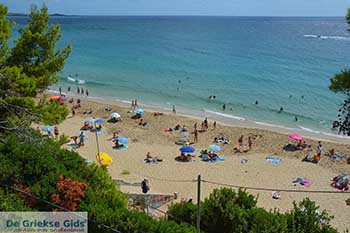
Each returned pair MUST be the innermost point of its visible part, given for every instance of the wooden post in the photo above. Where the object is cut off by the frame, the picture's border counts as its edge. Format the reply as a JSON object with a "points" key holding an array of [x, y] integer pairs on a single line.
{"points": [[199, 204]]}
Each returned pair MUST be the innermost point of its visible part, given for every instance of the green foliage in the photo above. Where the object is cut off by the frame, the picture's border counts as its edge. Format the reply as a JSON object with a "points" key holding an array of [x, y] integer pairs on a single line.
{"points": [[5, 33], [306, 217], [341, 82], [228, 211], [35, 49], [27, 69], [11, 202], [348, 16], [63, 139], [38, 163], [52, 112], [184, 212]]}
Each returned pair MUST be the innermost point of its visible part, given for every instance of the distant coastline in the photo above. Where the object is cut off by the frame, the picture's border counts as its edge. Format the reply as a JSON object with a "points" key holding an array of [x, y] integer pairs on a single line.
{"points": [[24, 15]]}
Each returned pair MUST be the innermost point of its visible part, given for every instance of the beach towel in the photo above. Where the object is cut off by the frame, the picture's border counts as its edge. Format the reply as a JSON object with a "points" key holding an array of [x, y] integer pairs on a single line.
{"points": [[122, 147], [274, 160], [302, 181], [337, 156], [216, 160]]}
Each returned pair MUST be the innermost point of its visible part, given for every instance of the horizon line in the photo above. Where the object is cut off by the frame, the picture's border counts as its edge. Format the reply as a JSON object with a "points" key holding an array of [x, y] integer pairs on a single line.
{"points": [[194, 15]]}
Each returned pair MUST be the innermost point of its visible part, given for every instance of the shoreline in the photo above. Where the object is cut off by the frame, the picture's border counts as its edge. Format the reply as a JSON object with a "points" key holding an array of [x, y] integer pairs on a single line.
{"points": [[221, 118]]}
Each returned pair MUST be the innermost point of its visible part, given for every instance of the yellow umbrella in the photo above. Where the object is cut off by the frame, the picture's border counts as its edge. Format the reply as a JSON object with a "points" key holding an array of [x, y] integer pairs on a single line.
{"points": [[104, 159]]}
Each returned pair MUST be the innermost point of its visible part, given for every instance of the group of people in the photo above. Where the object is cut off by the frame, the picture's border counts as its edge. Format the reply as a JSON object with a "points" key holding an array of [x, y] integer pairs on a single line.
{"points": [[134, 104], [312, 158], [208, 155], [240, 146]]}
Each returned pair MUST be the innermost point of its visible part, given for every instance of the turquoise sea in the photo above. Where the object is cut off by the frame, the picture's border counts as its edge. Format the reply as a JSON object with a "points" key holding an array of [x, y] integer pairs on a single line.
{"points": [[163, 61]]}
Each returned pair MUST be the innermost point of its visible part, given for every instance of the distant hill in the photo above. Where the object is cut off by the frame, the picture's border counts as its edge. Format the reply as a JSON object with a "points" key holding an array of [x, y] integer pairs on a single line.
{"points": [[22, 14]]}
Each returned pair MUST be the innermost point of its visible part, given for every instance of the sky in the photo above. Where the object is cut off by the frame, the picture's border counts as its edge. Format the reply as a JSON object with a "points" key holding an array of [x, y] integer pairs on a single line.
{"points": [[188, 7]]}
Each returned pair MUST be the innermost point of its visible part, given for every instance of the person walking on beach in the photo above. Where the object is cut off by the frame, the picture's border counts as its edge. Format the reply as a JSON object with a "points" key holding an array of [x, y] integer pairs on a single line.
{"points": [[55, 132], [136, 105], [78, 90], [240, 144], [81, 138], [195, 126], [82, 91], [214, 125], [87, 92], [206, 123], [195, 136], [60, 90], [174, 110], [145, 187], [73, 112], [250, 142], [319, 149]]}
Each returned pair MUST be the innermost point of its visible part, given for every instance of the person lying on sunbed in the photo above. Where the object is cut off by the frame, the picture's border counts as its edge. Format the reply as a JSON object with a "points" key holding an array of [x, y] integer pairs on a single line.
{"points": [[152, 159], [158, 114]]}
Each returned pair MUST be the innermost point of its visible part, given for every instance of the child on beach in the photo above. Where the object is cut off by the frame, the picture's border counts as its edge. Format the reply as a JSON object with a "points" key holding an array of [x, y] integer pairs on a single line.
{"points": [[240, 144]]}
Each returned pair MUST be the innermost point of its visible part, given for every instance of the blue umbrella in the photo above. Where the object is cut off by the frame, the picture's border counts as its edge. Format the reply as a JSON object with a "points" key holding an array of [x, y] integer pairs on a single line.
{"points": [[139, 111], [100, 121], [122, 139], [214, 148], [47, 128], [187, 149]]}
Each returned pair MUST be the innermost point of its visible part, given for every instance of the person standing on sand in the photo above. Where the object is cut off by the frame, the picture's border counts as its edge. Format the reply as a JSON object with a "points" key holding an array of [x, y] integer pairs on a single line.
{"points": [[78, 90], [240, 144], [136, 105], [82, 91], [81, 138], [195, 135], [145, 186], [87, 92], [214, 125], [319, 148], [250, 142], [195, 126], [73, 112], [174, 110], [206, 123], [60, 90]]}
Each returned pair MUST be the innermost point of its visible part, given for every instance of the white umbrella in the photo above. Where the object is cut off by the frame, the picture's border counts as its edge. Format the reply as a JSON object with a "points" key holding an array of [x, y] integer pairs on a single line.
{"points": [[115, 115]]}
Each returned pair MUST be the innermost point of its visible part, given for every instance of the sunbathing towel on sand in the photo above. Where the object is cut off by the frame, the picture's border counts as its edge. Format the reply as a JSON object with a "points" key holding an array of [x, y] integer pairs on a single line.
{"points": [[302, 181], [274, 160]]}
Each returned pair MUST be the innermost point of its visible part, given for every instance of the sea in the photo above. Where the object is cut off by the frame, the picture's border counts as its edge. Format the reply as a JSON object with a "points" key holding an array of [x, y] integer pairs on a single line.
{"points": [[252, 65]]}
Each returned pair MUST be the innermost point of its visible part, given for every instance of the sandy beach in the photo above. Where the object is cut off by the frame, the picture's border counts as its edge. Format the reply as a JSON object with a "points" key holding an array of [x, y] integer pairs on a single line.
{"points": [[128, 165]]}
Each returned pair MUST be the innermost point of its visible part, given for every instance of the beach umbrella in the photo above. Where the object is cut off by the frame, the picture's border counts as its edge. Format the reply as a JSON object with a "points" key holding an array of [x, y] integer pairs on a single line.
{"points": [[295, 136], [84, 135], [115, 115], [214, 148], [104, 159], [47, 128], [122, 139], [139, 111], [55, 97], [100, 121], [90, 120], [187, 149]]}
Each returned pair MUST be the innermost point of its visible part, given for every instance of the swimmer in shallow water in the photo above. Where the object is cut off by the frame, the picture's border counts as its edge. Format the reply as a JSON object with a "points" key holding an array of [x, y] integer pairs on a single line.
{"points": [[281, 110]]}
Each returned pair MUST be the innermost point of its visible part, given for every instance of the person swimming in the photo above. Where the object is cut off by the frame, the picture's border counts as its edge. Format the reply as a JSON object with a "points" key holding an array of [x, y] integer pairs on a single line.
{"points": [[281, 110]]}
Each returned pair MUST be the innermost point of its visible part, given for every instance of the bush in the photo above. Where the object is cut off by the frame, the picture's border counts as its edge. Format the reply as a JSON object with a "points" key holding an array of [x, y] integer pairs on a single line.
{"points": [[226, 210]]}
